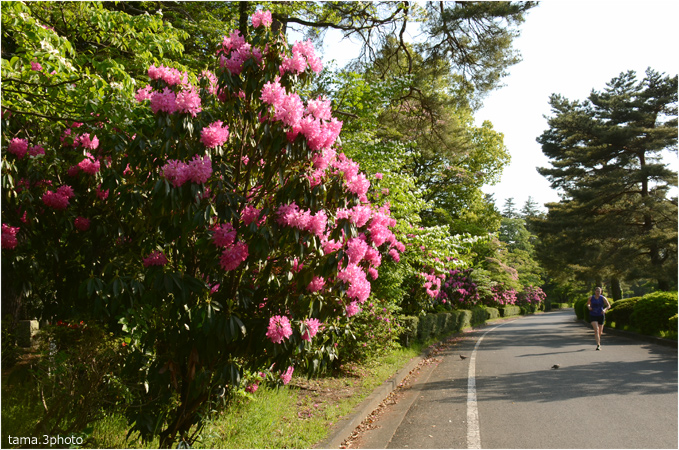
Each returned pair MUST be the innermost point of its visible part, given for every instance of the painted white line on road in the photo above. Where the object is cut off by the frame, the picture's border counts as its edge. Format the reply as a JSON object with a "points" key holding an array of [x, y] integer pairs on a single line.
{"points": [[473, 430]]}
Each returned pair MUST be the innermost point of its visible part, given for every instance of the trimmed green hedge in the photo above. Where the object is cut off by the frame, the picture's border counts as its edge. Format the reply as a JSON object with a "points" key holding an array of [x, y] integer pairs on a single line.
{"points": [[653, 312], [621, 312], [509, 310], [577, 306]]}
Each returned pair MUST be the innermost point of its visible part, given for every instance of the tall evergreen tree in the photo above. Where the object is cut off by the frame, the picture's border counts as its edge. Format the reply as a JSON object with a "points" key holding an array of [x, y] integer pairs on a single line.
{"points": [[615, 218], [509, 209]]}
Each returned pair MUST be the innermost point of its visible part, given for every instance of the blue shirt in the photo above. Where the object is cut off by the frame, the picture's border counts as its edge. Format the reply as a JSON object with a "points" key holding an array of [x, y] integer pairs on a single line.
{"points": [[597, 304]]}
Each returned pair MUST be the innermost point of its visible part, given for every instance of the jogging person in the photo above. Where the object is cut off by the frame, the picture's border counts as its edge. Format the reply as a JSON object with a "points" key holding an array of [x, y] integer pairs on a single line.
{"points": [[598, 305]]}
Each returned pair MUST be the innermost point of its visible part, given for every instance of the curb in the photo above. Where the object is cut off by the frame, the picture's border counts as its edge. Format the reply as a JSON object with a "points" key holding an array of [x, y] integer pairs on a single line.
{"points": [[345, 427], [637, 336]]}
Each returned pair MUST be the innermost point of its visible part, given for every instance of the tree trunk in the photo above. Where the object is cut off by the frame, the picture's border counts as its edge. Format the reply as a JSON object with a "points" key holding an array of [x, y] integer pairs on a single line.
{"points": [[616, 289]]}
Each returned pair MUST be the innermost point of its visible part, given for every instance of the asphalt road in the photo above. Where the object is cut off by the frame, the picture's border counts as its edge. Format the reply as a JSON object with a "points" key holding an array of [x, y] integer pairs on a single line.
{"points": [[624, 396]]}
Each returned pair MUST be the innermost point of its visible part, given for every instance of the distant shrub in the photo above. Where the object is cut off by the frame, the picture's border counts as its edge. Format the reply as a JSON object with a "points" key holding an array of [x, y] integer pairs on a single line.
{"points": [[409, 325], [509, 310], [577, 306], [493, 313], [621, 311], [653, 311], [673, 323]]}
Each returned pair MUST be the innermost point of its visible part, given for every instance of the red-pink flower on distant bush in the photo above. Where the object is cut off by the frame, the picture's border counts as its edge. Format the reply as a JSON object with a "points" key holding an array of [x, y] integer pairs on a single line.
{"points": [[18, 147], [82, 223], [9, 239], [144, 93], [287, 375], [312, 326], [36, 150], [262, 18], [200, 169], [55, 200], [279, 329], [359, 286], [87, 142], [169, 75], [188, 101], [165, 101], [394, 254], [352, 309], [378, 176], [249, 214], [36, 66], [155, 258], [233, 256], [214, 134], [89, 165], [102, 195], [316, 284], [224, 235]]}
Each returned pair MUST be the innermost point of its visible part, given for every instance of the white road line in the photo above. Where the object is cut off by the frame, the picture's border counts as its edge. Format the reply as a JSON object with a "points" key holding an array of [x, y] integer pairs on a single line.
{"points": [[473, 430]]}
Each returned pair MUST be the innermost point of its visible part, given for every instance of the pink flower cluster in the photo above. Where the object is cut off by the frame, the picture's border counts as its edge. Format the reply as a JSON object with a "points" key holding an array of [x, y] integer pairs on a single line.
{"points": [[312, 326], [9, 239], [18, 147], [287, 375], [155, 258], [262, 18], [35, 65], [303, 56], [279, 329], [317, 284], [234, 253], [89, 165], [186, 100], [291, 215], [169, 75], [250, 214], [198, 170], [214, 134], [235, 51], [431, 280], [59, 199], [81, 223], [355, 278]]}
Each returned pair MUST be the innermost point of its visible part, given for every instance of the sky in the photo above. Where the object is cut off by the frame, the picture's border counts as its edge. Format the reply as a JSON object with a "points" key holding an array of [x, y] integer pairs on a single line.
{"points": [[568, 47]]}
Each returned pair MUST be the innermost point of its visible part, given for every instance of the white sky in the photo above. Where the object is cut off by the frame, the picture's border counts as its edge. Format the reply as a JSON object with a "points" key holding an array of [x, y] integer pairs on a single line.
{"points": [[568, 47]]}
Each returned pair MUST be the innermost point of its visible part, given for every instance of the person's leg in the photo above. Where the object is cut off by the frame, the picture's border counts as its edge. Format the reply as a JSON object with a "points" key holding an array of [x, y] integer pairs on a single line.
{"points": [[595, 325], [601, 331]]}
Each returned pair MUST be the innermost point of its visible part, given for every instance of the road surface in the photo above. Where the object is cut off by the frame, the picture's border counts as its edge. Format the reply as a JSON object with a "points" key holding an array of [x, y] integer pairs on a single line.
{"points": [[624, 396]]}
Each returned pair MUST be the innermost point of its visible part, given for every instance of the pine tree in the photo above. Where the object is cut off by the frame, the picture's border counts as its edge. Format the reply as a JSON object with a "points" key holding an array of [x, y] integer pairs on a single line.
{"points": [[606, 152]]}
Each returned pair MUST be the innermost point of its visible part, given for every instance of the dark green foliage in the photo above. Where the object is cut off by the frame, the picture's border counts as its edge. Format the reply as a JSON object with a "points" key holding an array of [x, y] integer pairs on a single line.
{"points": [[509, 310], [653, 312], [409, 326], [445, 323], [493, 313], [616, 216], [577, 307], [673, 323], [621, 311]]}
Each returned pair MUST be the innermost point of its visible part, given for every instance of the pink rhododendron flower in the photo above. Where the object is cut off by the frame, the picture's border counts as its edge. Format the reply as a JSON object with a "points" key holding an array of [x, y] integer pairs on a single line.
{"points": [[199, 169], [279, 329], [373, 273], [144, 93], [316, 284], [290, 110], [224, 235], [102, 195], [312, 326], [169, 75], [82, 223], [212, 81], [273, 93], [165, 101], [394, 254], [352, 309], [176, 172], [373, 257], [287, 375], [359, 286], [249, 214], [317, 223], [36, 66], [87, 142], [319, 108], [356, 249], [233, 256], [378, 176], [36, 150], [9, 239], [214, 135], [89, 165], [55, 200], [188, 101], [18, 147], [262, 18], [155, 258], [331, 246], [66, 191]]}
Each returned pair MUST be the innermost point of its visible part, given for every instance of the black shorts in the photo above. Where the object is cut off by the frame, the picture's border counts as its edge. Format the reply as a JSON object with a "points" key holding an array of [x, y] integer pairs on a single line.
{"points": [[598, 319]]}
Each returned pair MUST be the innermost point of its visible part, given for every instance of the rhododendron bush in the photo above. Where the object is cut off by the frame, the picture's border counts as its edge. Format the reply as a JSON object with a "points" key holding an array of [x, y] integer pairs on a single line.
{"points": [[223, 232]]}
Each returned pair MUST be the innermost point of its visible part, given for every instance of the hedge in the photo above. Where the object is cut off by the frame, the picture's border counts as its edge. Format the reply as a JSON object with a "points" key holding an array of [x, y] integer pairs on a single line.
{"points": [[653, 312], [621, 312], [509, 310]]}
